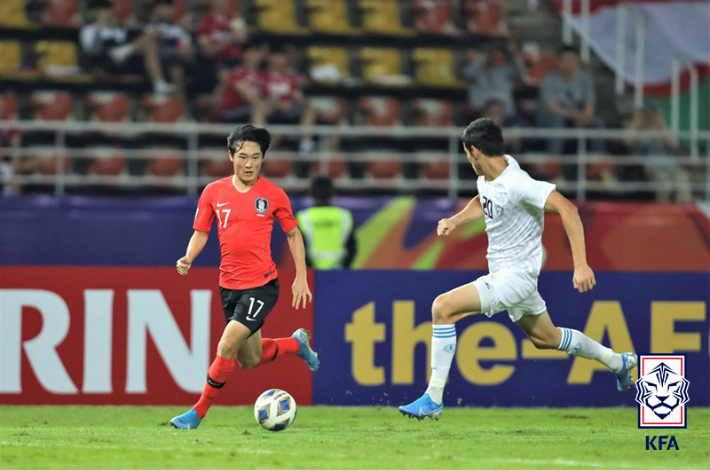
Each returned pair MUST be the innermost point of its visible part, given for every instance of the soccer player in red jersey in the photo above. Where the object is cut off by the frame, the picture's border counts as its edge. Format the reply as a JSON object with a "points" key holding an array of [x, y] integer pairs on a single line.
{"points": [[245, 206]]}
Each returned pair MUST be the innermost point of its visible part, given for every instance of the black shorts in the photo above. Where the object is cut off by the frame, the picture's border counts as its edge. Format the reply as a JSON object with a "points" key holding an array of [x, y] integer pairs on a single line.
{"points": [[250, 306]]}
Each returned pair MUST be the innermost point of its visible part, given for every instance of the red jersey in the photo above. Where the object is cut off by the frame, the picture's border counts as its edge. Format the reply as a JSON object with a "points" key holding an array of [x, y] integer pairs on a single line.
{"points": [[244, 224], [282, 86], [218, 27], [232, 98]]}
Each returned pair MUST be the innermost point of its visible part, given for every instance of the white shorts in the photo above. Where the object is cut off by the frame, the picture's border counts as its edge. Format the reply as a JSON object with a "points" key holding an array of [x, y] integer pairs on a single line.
{"points": [[511, 290]]}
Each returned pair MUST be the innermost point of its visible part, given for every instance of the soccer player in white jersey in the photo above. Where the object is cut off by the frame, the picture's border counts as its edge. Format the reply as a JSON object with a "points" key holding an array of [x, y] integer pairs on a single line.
{"points": [[513, 205]]}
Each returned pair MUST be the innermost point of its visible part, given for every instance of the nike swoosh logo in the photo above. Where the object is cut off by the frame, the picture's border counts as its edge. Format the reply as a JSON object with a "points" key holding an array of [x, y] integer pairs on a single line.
{"points": [[223, 204]]}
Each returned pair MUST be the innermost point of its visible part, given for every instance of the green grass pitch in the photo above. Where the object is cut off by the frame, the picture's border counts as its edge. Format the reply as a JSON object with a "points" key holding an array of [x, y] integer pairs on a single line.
{"points": [[356, 438]]}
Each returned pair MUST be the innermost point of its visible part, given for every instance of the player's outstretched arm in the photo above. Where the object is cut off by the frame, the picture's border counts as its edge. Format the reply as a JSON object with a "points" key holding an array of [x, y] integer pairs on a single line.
{"points": [[583, 279], [472, 211], [197, 243], [300, 290]]}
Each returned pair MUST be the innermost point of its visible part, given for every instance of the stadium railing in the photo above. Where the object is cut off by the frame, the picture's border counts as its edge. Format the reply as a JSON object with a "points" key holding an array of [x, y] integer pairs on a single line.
{"points": [[192, 179]]}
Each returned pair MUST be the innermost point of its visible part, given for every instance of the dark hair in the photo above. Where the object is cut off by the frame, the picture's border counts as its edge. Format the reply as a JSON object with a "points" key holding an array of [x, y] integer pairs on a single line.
{"points": [[248, 133], [486, 135], [322, 188], [251, 43], [492, 102], [567, 48]]}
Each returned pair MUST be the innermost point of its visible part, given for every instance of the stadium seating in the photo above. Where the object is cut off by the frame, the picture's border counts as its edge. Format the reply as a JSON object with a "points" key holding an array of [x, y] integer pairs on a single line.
{"points": [[106, 161], [108, 107], [330, 16], [163, 109], [434, 17], [49, 160], [380, 65], [431, 112], [435, 67], [214, 163], [380, 112], [61, 13], [56, 57], [52, 105], [14, 15], [383, 165], [329, 110], [538, 64], [277, 165], [383, 17], [483, 17], [328, 64], [433, 166], [163, 162], [10, 58], [278, 16]]}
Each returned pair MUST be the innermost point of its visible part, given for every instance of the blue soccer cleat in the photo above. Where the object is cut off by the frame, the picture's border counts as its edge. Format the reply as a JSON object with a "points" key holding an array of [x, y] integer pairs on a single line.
{"points": [[423, 407], [303, 336], [623, 378], [189, 420]]}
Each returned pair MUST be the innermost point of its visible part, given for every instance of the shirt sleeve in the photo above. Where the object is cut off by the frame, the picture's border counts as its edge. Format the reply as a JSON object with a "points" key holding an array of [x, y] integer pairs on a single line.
{"points": [[284, 213], [532, 192], [204, 214]]}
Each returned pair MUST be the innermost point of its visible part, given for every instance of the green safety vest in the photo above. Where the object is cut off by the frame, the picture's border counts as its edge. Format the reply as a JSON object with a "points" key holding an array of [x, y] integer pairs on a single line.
{"points": [[326, 229]]}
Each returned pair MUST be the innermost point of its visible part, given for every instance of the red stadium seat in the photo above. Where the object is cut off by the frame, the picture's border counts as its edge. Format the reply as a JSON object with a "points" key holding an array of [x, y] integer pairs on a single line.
{"points": [[336, 167], [383, 166], [380, 112], [329, 110], [122, 10], [163, 109], [62, 13], [8, 106], [277, 165], [52, 105], [487, 18], [108, 107], [433, 113], [49, 159], [215, 163], [434, 167], [163, 162], [434, 17], [106, 161], [538, 65]]}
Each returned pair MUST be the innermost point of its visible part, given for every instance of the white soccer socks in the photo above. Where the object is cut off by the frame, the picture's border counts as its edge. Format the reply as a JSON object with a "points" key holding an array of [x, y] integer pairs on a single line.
{"points": [[577, 343], [443, 347]]}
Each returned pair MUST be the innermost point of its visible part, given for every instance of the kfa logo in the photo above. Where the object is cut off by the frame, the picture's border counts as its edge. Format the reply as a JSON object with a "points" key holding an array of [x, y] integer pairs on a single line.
{"points": [[662, 441], [662, 392], [261, 205]]}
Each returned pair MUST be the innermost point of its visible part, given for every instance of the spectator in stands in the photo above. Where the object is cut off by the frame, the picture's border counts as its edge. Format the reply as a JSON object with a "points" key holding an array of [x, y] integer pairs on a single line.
{"points": [[243, 96], [175, 46], [107, 46], [219, 34], [568, 100], [492, 75], [10, 147], [286, 103], [661, 166]]}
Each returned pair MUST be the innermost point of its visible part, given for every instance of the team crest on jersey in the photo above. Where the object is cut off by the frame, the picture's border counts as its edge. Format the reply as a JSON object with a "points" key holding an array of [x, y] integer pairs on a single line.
{"points": [[662, 392], [261, 204]]}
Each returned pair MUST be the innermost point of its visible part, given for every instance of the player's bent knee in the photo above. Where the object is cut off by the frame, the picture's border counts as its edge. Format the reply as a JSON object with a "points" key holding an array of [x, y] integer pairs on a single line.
{"points": [[247, 362], [227, 348], [440, 309]]}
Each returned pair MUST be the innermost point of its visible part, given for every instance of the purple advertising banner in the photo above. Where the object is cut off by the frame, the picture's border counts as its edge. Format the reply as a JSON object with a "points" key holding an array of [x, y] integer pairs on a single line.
{"points": [[372, 331]]}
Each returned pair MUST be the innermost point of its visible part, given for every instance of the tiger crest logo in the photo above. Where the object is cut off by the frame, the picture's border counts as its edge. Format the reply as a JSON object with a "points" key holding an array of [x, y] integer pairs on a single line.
{"points": [[662, 392], [261, 204]]}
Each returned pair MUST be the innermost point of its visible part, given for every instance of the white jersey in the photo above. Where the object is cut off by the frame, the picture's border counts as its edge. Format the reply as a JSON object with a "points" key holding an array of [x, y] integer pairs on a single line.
{"points": [[513, 206]]}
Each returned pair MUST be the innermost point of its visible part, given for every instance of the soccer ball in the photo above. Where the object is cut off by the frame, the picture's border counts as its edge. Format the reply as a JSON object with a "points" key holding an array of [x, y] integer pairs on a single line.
{"points": [[275, 410]]}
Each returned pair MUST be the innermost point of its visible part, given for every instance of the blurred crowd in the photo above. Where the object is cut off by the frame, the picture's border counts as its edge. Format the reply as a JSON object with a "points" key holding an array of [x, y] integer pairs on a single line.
{"points": [[233, 75]]}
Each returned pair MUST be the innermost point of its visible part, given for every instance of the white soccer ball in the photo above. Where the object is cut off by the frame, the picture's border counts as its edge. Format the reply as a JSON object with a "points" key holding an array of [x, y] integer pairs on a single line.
{"points": [[275, 410]]}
